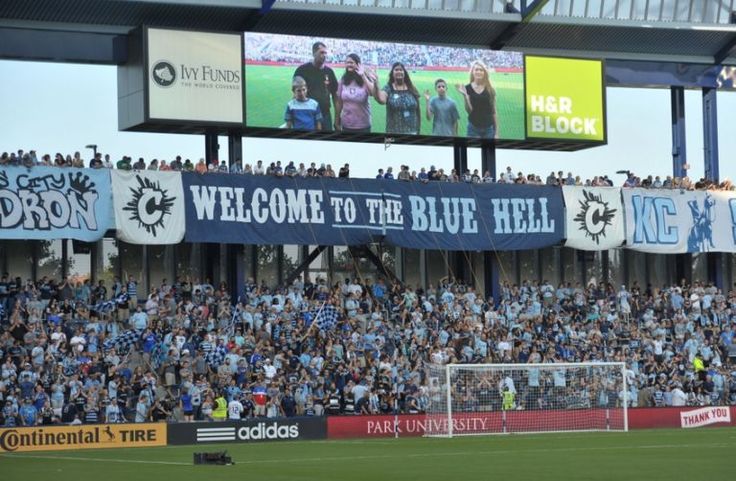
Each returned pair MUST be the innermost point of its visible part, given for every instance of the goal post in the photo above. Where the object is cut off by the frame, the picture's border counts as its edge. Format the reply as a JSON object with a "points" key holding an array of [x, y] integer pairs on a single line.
{"points": [[477, 399]]}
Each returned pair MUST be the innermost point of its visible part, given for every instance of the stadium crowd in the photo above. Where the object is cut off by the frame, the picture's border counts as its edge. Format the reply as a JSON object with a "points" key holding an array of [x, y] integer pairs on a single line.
{"points": [[291, 169], [290, 49], [186, 351]]}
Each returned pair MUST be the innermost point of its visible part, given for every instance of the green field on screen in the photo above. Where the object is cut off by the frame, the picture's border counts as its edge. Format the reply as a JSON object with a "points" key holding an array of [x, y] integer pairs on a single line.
{"points": [[268, 89], [656, 455]]}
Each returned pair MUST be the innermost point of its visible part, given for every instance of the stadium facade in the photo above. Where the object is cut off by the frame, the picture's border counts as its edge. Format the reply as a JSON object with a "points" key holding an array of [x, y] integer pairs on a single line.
{"points": [[643, 43]]}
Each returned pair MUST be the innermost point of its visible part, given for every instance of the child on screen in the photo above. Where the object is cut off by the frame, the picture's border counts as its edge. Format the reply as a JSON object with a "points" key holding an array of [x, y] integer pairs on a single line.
{"points": [[302, 113]]}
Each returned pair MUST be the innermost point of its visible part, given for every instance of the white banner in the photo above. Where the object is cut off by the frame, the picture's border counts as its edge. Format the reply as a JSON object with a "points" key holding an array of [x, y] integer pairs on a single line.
{"points": [[149, 207], [594, 217], [195, 76], [675, 221], [705, 416]]}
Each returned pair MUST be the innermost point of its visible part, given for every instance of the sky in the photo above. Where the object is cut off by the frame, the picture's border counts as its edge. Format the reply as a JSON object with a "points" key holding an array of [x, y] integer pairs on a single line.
{"points": [[51, 107]]}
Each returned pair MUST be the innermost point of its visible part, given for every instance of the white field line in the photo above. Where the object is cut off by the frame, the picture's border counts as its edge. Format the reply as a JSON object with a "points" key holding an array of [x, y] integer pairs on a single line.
{"points": [[476, 453], [102, 460], [383, 456]]}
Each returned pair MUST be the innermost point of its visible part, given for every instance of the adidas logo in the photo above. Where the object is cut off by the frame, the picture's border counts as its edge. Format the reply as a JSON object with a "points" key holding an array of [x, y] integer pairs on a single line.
{"points": [[261, 431]]}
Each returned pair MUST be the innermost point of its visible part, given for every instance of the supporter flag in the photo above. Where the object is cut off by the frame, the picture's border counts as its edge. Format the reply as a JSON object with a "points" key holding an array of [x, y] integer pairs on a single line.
{"points": [[326, 318], [149, 207], [259, 395], [103, 307], [123, 342], [594, 217], [216, 356]]}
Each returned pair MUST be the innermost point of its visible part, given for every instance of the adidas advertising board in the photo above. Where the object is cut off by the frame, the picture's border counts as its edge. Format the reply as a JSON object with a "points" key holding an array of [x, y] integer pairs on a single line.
{"points": [[252, 430]]}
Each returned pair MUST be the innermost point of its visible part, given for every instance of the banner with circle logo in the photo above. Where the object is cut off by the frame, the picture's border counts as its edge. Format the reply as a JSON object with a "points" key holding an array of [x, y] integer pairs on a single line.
{"points": [[149, 207], [594, 217]]}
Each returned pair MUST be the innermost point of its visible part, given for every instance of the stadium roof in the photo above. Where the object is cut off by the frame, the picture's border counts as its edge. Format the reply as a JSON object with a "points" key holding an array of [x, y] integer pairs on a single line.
{"points": [[696, 31]]}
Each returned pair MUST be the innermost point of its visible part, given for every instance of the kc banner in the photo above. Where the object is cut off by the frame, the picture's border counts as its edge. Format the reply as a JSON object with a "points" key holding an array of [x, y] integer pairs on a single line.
{"points": [[53, 203], [268, 210], [675, 221], [594, 217], [149, 207]]}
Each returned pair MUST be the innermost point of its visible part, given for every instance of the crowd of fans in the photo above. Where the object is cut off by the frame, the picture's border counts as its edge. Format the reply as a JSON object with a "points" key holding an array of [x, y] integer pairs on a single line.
{"points": [[292, 169], [295, 50], [83, 353]]}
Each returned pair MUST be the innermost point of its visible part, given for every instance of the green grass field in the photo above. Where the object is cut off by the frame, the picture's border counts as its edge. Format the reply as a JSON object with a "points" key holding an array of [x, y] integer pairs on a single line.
{"points": [[657, 455], [268, 88]]}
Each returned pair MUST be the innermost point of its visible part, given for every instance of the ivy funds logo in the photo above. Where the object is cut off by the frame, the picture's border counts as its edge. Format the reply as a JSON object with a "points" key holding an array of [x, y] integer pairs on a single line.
{"points": [[163, 73]]}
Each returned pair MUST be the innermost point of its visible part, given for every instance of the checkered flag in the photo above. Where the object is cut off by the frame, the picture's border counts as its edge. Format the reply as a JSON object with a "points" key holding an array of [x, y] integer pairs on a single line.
{"points": [[123, 342], [102, 308], [215, 357], [326, 318]]}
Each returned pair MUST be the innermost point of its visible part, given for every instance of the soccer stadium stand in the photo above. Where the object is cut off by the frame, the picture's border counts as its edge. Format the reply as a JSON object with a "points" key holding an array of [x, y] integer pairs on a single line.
{"points": [[80, 354]]}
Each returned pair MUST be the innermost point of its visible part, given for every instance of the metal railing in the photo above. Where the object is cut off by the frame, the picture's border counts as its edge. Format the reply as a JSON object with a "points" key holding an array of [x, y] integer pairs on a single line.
{"points": [[470, 6], [684, 11]]}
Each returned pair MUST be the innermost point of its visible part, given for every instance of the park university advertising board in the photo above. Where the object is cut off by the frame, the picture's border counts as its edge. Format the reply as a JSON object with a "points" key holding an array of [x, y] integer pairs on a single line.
{"points": [[194, 76]]}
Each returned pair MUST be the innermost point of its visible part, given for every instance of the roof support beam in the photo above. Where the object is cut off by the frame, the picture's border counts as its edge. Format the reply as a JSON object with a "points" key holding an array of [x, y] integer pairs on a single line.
{"points": [[529, 9], [63, 46], [266, 6], [730, 47]]}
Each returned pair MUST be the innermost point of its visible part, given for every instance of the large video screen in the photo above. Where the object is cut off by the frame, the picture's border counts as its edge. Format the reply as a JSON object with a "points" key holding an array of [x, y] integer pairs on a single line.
{"points": [[316, 83]]}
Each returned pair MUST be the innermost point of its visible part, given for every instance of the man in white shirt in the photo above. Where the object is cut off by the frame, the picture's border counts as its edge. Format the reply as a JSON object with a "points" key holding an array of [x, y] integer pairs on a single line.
{"points": [[679, 398], [268, 369], [234, 409], [258, 169]]}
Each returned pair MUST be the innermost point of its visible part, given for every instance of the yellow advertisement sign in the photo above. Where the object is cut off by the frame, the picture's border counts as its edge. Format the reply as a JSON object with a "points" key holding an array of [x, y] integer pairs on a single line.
{"points": [[565, 99], [94, 436]]}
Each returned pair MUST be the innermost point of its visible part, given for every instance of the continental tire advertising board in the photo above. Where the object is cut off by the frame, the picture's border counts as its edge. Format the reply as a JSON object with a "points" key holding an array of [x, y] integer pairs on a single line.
{"points": [[251, 431], [98, 436]]}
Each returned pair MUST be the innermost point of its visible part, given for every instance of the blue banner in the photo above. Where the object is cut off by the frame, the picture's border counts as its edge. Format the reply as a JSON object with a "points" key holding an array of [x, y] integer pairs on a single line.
{"points": [[673, 221], [53, 203], [319, 211]]}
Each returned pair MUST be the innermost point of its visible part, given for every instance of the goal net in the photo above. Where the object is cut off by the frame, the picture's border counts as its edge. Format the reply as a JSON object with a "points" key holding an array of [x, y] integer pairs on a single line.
{"points": [[474, 399]]}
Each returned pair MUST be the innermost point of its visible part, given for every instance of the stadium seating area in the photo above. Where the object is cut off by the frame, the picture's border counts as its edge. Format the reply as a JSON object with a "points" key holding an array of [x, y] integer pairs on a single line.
{"points": [[83, 353]]}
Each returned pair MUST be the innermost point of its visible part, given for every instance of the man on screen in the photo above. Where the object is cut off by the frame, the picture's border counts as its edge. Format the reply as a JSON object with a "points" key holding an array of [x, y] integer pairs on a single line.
{"points": [[321, 83]]}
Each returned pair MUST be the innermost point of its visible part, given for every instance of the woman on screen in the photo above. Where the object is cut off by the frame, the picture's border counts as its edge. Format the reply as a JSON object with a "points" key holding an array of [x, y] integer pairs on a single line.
{"points": [[353, 111], [401, 99], [480, 103]]}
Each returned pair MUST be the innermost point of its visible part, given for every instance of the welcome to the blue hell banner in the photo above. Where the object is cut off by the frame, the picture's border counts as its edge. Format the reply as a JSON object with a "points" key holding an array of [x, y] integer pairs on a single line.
{"points": [[263, 210]]}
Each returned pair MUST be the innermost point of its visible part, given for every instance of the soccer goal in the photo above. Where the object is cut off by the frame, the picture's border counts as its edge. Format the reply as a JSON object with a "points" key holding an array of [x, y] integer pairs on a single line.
{"points": [[475, 399]]}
